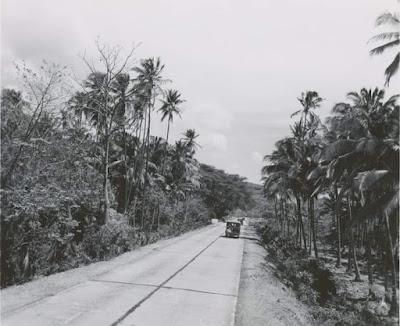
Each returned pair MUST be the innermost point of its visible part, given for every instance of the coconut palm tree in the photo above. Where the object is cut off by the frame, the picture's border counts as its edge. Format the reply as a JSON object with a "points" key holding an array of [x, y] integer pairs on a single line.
{"points": [[358, 166], [305, 132], [170, 107], [148, 82], [371, 111], [282, 178], [189, 140], [310, 100], [391, 41]]}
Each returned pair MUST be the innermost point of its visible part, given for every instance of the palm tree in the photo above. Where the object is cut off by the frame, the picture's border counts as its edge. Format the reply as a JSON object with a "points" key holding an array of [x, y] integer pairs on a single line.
{"points": [[305, 132], [282, 179], [367, 168], [310, 100], [170, 107], [189, 139], [147, 87], [391, 39], [104, 103], [371, 111]]}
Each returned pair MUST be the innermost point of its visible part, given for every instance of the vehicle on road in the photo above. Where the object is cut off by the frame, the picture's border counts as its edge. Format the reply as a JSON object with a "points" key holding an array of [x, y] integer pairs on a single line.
{"points": [[232, 229]]}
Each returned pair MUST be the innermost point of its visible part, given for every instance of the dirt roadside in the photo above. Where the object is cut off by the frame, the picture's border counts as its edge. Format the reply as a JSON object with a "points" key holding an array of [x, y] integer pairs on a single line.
{"points": [[263, 300]]}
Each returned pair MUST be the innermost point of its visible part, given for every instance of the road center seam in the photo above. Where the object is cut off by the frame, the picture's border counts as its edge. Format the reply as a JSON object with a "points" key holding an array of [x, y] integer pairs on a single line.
{"points": [[132, 309]]}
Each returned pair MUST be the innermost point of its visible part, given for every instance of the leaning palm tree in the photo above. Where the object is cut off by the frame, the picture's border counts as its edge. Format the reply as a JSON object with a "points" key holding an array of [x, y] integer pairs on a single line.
{"points": [[391, 40], [170, 107]]}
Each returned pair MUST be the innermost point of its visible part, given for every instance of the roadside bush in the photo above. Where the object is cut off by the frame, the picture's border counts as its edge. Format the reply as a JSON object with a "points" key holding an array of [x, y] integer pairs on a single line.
{"points": [[103, 242], [308, 277]]}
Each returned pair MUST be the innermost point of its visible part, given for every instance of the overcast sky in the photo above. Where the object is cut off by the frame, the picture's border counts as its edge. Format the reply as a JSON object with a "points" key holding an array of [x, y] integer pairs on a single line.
{"points": [[239, 64]]}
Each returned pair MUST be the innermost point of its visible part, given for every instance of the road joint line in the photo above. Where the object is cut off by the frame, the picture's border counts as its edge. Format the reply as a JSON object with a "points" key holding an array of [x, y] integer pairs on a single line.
{"points": [[137, 305], [165, 287]]}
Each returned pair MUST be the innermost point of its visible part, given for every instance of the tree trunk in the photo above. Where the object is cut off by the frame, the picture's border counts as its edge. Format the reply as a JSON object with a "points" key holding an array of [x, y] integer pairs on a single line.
{"points": [[298, 202], [369, 266], [313, 228], [394, 304], [166, 140], [353, 251], [276, 210], [133, 218], [338, 229], [105, 181], [287, 219], [282, 217], [158, 216], [309, 230], [186, 208], [352, 246]]}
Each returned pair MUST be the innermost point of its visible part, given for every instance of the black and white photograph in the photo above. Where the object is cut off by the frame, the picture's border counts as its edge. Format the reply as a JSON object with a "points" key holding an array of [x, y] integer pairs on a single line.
{"points": [[199, 162]]}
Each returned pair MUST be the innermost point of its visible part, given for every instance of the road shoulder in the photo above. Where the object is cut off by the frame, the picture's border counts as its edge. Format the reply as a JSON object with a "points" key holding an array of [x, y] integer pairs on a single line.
{"points": [[263, 299]]}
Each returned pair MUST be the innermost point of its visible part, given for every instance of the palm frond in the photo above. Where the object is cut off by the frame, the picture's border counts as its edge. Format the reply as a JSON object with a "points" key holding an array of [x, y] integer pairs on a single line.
{"points": [[341, 108], [392, 69], [380, 49], [337, 149], [393, 204], [370, 181], [295, 113], [385, 36], [388, 18]]}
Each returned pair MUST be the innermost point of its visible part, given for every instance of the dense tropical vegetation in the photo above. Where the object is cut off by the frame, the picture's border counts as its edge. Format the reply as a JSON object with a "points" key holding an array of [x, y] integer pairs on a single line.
{"points": [[334, 191], [83, 178], [341, 175]]}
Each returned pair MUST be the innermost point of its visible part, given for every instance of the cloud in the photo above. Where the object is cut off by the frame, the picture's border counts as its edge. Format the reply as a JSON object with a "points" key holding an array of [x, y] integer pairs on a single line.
{"points": [[214, 141], [210, 116], [257, 156]]}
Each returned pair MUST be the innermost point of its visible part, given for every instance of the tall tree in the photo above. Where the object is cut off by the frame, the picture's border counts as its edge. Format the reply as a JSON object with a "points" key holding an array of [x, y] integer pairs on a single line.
{"points": [[103, 97], [170, 107], [42, 95]]}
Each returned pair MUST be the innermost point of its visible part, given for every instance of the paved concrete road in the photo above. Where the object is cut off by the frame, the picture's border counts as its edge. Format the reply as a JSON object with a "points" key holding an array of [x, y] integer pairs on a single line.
{"points": [[193, 281]]}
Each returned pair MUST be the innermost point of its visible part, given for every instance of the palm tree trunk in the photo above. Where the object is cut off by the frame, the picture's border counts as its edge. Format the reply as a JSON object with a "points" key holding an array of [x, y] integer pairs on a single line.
{"points": [[166, 140], [105, 180], [338, 229], [282, 217], [394, 304], [353, 250], [276, 209], [287, 220], [369, 265], [133, 217], [313, 228], [186, 209], [352, 246], [302, 231], [309, 231]]}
